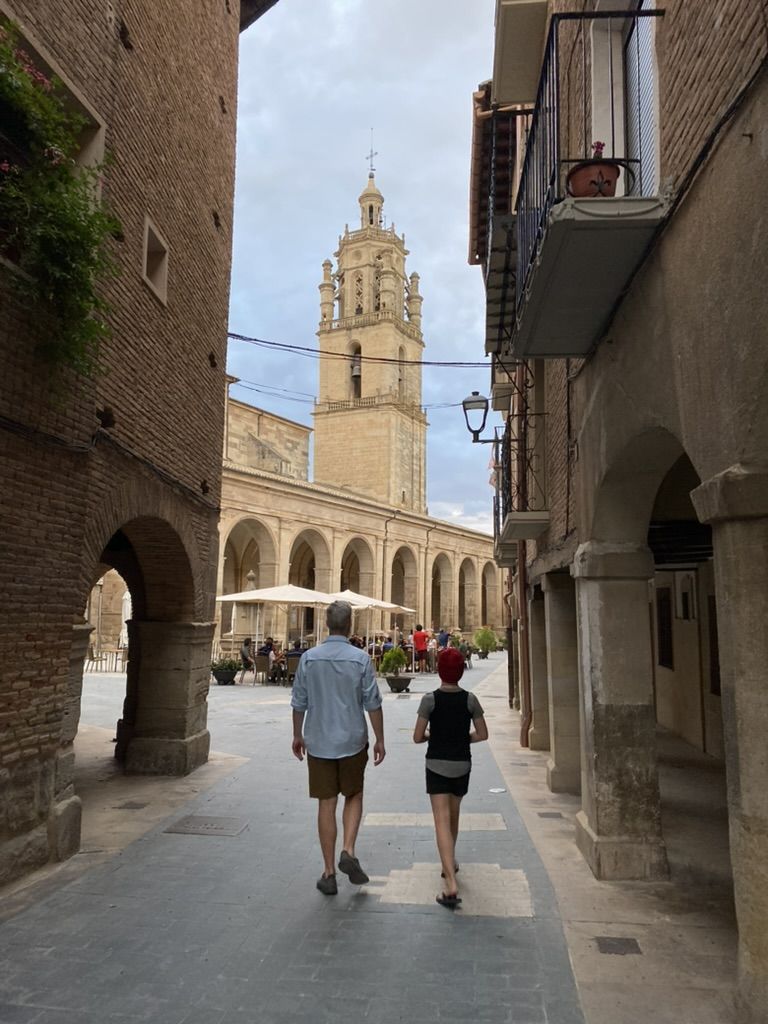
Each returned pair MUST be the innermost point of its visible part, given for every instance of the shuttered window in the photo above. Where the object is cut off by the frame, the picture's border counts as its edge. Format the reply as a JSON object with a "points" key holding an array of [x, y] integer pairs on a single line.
{"points": [[640, 96]]}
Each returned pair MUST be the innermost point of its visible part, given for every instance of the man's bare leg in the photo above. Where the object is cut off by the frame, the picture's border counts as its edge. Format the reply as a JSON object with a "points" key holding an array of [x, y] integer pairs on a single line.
{"points": [[351, 817], [446, 843], [326, 827]]}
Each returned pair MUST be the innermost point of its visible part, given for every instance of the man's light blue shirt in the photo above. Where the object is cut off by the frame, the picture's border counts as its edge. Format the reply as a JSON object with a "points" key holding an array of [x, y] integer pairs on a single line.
{"points": [[335, 684]]}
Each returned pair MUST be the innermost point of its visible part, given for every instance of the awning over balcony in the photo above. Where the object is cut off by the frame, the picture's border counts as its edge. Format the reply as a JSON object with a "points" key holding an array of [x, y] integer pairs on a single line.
{"points": [[522, 526], [520, 33], [590, 249]]}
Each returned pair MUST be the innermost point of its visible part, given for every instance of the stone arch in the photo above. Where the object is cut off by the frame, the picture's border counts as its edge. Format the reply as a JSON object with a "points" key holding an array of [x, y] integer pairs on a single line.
{"points": [[404, 579], [468, 595], [249, 555], [442, 612], [625, 494], [489, 600], [357, 567], [310, 567]]}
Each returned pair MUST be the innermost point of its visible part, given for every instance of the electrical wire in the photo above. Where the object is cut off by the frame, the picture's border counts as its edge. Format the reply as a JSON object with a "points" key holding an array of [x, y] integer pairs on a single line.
{"points": [[316, 353]]}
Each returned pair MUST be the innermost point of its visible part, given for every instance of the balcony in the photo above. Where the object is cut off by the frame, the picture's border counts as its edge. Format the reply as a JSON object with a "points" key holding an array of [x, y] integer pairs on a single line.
{"points": [[519, 506], [576, 255]]}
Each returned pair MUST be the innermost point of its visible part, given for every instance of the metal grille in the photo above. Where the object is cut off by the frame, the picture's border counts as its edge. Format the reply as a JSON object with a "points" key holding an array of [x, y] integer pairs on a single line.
{"points": [[196, 825], [640, 97]]}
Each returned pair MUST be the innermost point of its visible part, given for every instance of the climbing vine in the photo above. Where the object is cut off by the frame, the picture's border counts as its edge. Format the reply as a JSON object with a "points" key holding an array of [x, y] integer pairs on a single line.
{"points": [[53, 224]]}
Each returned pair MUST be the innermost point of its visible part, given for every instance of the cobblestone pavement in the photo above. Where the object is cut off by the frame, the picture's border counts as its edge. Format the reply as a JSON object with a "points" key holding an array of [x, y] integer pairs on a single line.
{"points": [[230, 929]]}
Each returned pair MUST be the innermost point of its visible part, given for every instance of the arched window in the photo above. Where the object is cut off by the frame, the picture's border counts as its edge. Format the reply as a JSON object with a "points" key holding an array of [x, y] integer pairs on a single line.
{"points": [[377, 268], [358, 294], [370, 213], [401, 372], [356, 372]]}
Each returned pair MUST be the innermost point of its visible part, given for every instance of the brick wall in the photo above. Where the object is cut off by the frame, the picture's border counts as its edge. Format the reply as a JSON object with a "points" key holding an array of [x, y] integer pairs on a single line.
{"points": [[165, 87]]}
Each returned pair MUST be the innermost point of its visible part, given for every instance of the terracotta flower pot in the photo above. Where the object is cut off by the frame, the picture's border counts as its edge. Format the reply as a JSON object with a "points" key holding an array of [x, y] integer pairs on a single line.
{"points": [[593, 178]]}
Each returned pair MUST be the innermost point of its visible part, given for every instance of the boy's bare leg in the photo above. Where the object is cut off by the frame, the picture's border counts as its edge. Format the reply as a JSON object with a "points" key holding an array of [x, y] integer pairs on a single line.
{"points": [[455, 809], [326, 827], [351, 817], [446, 843]]}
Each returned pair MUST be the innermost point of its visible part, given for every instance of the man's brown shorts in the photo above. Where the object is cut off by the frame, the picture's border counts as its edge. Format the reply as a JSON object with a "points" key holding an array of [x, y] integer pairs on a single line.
{"points": [[329, 776]]}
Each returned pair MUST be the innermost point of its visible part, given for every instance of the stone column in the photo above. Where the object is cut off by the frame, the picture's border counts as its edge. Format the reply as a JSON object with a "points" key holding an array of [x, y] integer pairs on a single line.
{"points": [[66, 812], [164, 730], [736, 504], [619, 826], [564, 765], [538, 734]]}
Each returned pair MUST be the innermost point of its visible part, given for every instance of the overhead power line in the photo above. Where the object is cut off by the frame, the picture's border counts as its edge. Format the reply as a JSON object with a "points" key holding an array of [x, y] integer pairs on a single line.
{"points": [[315, 353]]}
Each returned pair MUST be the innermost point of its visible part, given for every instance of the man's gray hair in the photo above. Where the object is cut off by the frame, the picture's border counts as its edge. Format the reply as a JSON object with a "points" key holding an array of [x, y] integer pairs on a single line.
{"points": [[339, 617]]}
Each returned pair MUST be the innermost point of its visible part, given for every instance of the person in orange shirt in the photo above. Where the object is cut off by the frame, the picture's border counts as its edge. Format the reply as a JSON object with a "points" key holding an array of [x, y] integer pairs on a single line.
{"points": [[420, 641]]}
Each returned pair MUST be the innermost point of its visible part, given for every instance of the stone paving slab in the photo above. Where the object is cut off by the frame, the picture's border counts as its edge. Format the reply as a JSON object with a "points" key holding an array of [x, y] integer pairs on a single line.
{"points": [[179, 929]]}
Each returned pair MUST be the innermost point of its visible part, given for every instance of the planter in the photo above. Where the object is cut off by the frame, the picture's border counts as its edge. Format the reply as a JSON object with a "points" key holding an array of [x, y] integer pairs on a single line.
{"points": [[225, 676], [593, 179], [399, 684]]}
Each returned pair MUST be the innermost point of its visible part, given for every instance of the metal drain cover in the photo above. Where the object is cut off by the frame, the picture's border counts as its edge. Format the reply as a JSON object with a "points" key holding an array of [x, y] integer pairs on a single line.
{"points": [[130, 805], [617, 946], [197, 825], [550, 814]]}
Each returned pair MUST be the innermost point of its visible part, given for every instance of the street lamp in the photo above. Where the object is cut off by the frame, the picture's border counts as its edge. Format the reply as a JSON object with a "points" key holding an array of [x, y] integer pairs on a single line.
{"points": [[476, 407]]}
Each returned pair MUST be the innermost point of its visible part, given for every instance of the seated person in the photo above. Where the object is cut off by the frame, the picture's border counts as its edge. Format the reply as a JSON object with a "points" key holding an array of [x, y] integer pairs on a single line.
{"points": [[267, 647], [246, 657]]}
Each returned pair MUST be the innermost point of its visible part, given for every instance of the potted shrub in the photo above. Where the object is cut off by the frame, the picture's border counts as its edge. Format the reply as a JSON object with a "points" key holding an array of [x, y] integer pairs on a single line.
{"points": [[391, 663], [485, 641], [593, 178], [224, 670]]}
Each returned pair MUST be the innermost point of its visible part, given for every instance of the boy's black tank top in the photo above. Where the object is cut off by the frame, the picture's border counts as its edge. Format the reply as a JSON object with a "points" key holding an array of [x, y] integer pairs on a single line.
{"points": [[449, 726]]}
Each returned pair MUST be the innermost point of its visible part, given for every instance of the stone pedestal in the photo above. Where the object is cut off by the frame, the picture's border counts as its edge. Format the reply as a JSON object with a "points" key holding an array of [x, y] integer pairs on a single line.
{"points": [[163, 730], [736, 504], [564, 765], [538, 734], [619, 825]]}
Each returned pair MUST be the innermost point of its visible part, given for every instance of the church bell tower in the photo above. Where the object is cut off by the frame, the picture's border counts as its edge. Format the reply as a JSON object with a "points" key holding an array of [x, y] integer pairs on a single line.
{"points": [[370, 429]]}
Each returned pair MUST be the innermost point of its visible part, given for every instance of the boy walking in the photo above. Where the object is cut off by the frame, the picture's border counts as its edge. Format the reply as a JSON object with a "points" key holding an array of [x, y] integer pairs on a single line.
{"points": [[449, 720]]}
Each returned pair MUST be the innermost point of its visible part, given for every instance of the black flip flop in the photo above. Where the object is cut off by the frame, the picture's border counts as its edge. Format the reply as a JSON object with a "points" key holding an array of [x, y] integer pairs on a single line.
{"points": [[447, 900]]}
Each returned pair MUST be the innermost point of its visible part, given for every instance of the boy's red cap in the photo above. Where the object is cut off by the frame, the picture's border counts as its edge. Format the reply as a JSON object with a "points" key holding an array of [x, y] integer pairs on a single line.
{"points": [[450, 665]]}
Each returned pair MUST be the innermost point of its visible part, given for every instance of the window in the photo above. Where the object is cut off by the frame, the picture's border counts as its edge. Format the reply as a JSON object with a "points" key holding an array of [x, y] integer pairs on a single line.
{"points": [[358, 294], [664, 627], [714, 647], [155, 261], [640, 103]]}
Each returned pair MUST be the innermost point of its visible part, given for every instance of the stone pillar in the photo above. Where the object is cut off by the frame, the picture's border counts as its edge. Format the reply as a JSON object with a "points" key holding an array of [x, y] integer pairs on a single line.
{"points": [[163, 730], [538, 734], [618, 829], [736, 504], [64, 821], [564, 765]]}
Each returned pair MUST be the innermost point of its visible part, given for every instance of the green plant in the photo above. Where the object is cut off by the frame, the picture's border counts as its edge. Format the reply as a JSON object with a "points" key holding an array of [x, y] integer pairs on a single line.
{"points": [[225, 664], [392, 661], [485, 640], [52, 223]]}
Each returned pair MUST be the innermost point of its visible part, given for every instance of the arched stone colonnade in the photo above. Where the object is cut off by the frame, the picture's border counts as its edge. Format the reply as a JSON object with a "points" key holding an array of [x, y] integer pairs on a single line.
{"points": [[400, 563]]}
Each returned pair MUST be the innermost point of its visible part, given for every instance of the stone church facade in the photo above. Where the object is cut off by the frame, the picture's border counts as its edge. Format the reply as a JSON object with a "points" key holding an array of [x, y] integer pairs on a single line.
{"points": [[363, 523]]}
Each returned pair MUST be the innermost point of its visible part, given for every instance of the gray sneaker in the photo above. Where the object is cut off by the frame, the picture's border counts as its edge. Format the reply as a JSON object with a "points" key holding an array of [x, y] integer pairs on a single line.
{"points": [[327, 885], [351, 868]]}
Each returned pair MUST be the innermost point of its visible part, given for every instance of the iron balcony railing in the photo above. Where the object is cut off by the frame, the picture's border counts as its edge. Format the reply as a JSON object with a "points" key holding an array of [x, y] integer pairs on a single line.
{"points": [[561, 129], [518, 468]]}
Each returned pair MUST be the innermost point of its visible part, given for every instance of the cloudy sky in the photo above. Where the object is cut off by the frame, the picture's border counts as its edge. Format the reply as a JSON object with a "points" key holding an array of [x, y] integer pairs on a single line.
{"points": [[315, 77]]}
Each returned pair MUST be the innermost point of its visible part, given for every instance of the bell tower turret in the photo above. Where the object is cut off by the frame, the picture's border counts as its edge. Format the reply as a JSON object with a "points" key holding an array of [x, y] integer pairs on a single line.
{"points": [[370, 429]]}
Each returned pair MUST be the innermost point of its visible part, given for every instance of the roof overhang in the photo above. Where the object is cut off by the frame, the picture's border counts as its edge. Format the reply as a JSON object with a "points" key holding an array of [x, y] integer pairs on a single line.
{"points": [[587, 257], [251, 10], [519, 45]]}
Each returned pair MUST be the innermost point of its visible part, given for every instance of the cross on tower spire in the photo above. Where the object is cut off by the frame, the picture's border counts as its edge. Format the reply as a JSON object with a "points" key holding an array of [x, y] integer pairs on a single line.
{"points": [[370, 157]]}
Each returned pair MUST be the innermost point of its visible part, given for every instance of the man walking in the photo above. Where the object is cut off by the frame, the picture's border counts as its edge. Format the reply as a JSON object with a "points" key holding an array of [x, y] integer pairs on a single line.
{"points": [[334, 683]]}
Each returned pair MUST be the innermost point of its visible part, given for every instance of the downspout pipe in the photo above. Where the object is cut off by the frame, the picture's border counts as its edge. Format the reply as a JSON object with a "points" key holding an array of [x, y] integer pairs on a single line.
{"points": [[521, 411], [427, 581]]}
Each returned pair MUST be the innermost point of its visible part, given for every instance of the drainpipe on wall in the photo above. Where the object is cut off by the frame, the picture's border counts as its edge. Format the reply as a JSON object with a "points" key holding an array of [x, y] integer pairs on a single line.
{"points": [[521, 403], [387, 521]]}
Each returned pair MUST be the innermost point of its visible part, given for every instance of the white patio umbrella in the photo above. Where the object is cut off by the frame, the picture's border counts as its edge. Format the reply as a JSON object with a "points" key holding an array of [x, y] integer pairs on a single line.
{"points": [[362, 601], [285, 595]]}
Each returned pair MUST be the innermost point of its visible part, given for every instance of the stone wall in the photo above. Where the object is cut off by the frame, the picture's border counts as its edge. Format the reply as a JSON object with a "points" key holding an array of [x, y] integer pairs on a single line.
{"points": [[260, 440]]}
